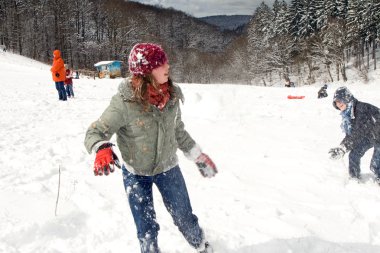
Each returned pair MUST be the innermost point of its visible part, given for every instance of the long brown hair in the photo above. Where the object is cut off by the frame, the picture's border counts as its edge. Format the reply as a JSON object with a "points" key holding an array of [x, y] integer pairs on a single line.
{"points": [[140, 85]]}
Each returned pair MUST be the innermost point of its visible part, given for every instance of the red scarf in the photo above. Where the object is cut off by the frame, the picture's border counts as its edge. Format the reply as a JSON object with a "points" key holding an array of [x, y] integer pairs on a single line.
{"points": [[159, 97]]}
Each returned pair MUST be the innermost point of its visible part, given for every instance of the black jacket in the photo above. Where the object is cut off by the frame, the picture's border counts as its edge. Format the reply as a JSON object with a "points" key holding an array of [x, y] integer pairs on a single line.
{"points": [[322, 93], [365, 120]]}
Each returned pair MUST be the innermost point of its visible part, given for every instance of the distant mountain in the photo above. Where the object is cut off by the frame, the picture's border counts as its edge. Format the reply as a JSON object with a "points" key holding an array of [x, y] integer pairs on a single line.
{"points": [[176, 29], [228, 22]]}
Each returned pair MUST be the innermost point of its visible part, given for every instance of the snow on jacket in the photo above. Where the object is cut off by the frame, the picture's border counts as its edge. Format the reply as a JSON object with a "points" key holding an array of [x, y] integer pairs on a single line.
{"points": [[69, 76], [58, 69], [147, 139], [365, 124], [364, 120]]}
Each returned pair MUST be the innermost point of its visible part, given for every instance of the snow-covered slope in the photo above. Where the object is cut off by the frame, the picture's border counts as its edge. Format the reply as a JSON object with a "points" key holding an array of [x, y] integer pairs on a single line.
{"points": [[227, 22], [276, 190]]}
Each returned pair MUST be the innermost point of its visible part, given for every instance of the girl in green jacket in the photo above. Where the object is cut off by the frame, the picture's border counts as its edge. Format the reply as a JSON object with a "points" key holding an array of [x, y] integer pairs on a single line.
{"points": [[145, 115]]}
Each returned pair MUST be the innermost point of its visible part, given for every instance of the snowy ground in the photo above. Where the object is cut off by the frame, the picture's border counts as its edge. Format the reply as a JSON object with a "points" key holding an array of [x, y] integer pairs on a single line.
{"points": [[276, 190]]}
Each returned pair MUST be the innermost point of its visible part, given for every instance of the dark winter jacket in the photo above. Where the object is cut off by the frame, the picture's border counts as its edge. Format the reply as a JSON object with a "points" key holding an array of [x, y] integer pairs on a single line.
{"points": [[289, 84], [322, 93], [148, 140], [365, 120]]}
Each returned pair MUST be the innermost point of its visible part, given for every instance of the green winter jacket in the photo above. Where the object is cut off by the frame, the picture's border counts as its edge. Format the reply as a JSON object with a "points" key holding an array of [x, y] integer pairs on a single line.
{"points": [[148, 140]]}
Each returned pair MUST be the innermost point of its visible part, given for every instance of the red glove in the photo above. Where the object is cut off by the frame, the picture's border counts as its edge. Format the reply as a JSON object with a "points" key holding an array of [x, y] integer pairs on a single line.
{"points": [[105, 157], [206, 166]]}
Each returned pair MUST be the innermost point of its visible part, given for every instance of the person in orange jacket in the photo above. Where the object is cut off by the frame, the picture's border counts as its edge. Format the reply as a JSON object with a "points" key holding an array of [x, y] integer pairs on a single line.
{"points": [[58, 72]]}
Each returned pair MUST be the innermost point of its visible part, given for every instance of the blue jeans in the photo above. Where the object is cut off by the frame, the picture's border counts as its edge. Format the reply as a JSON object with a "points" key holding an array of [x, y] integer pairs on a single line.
{"points": [[60, 86], [69, 90], [172, 187], [358, 152]]}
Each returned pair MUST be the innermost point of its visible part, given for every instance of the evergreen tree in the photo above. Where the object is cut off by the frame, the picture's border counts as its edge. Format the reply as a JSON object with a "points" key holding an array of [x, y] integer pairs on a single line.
{"points": [[308, 19], [258, 40], [295, 17], [355, 29], [371, 20], [280, 22], [279, 53]]}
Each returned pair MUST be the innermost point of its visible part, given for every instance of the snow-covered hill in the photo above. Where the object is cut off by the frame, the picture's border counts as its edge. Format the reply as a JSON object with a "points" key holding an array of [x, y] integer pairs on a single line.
{"points": [[228, 22], [276, 190]]}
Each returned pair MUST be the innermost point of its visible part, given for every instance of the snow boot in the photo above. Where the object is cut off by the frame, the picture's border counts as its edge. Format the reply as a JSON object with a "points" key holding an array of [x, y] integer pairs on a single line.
{"points": [[207, 248]]}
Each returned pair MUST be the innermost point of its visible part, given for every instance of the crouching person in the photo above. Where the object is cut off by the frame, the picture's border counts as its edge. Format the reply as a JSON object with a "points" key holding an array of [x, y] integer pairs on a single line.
{"points": [[145, 115], [322, 93], [361, 125]]}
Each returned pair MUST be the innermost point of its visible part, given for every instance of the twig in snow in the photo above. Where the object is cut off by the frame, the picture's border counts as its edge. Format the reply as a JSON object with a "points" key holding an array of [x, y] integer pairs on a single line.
{"points": [[59, 186]]}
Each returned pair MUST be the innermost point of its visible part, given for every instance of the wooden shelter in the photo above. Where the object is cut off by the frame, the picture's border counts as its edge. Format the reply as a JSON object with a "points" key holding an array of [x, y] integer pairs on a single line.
{"points": [[108, 69]]}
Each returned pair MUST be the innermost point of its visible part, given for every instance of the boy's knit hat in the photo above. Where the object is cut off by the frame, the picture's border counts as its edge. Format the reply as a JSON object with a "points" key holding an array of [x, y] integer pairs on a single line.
{"points": [[144, 57], [343, 95]]}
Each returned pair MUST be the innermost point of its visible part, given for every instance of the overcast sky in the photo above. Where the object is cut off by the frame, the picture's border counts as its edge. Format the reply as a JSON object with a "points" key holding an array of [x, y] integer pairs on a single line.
{"points": [[202, 8]]}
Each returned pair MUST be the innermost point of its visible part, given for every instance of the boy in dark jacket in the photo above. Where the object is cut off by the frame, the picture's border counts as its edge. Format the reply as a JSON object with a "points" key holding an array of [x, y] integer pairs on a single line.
{"points": [[322, 93], [361, 124], [288, 83]]}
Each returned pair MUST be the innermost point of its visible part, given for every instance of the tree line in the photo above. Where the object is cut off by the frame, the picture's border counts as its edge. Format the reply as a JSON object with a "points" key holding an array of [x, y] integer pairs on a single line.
{"points": [[306, 40], [313, 38], [88, 31]]}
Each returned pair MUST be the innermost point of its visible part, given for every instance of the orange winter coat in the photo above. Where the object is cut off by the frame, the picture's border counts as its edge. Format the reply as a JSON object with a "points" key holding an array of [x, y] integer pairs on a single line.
{"points": [[58, 70]]}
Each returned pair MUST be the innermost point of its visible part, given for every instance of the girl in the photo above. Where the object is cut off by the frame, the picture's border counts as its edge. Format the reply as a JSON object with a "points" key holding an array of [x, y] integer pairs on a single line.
{"points": [[146, 117]]}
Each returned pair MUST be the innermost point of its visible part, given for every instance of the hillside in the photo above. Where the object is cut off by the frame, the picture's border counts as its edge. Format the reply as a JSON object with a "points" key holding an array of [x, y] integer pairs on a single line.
{"points": [[228, 22], [97, 30], [276, 190], [179, 30]]}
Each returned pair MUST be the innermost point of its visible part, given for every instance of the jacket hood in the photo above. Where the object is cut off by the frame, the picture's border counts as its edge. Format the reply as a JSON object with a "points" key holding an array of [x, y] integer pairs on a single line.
{"points": [[343, 95], [125, 90], [57, 54]]}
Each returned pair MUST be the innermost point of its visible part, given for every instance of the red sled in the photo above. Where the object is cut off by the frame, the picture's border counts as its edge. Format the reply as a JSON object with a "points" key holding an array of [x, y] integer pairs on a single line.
{"points": [[295, 97]]}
